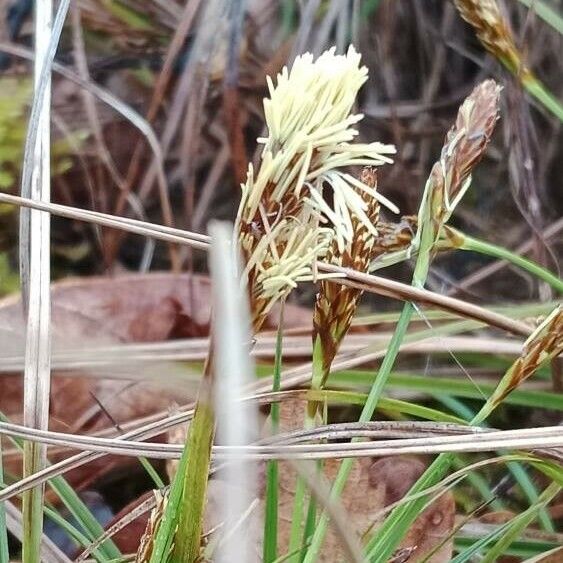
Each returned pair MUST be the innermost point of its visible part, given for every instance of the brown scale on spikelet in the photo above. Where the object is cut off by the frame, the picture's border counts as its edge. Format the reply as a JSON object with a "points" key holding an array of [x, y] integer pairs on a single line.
{"points": [[392, 237], [494, 32], [449, 179], [336, 304], [466, 141]]}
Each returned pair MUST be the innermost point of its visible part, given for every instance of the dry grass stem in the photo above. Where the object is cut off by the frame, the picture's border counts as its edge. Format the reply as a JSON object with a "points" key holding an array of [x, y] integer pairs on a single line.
{"points": [[394, 442]]}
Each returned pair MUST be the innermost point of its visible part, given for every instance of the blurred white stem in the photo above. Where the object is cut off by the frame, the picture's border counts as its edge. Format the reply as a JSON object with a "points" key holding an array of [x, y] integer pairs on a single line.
{"points": [[237, 422], [38, 345]]}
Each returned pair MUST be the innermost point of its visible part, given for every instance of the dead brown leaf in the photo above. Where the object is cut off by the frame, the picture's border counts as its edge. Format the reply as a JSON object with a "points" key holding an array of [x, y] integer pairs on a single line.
{"points": [[371, 486], [106, 310]]}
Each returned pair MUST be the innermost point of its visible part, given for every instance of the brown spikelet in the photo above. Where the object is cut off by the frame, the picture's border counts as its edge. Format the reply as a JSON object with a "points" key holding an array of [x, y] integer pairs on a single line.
{"points": [[147, 541], [467, 140], [493, 31], [464, 145], [545, 344], [336, 304], [392, 237]]}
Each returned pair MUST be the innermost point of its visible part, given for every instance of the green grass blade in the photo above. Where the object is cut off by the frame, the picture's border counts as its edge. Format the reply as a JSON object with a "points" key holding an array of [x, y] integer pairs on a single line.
{"points": [[382, 545], [531, 493], [310, 520], [551, 469], [297, 521], [88, 522], [544, 96], [437, 386], [520, 548], [190, 514], [152, 472], [270, 549], [368, 7], [546, 13], [4, 553], [478, 546], [518, 524], [482, 247], [107, 550], [367, 413], [288, 17], [519, 473], [76, 535], [163, 541], [477, 481], [480, 484]]}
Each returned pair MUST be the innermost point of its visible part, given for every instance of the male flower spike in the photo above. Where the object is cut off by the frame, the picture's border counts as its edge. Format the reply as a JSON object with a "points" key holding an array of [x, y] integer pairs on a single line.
{"points": [[284, 224]]}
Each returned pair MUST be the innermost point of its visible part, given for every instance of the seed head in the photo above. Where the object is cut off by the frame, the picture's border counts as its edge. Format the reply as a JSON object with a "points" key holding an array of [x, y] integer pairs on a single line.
{"points": [[310, 130], [545, 344], [464, 145], [279, 260], [493, 31], [336, 304]]}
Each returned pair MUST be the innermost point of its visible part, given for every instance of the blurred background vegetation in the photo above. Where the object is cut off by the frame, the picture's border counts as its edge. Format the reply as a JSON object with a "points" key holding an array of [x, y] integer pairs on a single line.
{"points": [[200, 77]]}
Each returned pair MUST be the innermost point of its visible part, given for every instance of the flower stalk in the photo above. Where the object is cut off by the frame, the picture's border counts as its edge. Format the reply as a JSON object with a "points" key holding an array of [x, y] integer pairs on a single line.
{"points": [[453, 239], [449, 179]]}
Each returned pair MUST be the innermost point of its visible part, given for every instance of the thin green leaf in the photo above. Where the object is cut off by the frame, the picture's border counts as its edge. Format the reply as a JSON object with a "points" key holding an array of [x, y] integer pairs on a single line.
{"points": [[90, 525], [478, 546], [482, 247], [436, 386], [270, 550], [519, 473], [382, 545], [546, 13], [518, 524], [4, 553], [187, 537], [520, 548]]}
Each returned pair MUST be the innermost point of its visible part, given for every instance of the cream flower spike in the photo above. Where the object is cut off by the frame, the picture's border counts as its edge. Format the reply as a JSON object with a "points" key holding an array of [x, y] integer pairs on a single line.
{"points": [[308, 146], [310, 134], [282, 258]]}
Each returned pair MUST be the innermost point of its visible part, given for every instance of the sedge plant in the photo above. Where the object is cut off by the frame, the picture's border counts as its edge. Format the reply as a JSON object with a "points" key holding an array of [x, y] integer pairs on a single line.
{"points": [[283, 227], [449, 179], [543, 345]]}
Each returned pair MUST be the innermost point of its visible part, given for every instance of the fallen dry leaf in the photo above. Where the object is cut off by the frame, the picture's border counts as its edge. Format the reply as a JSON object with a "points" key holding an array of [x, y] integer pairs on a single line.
{"points": [[371, 486], [94, 311]]}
